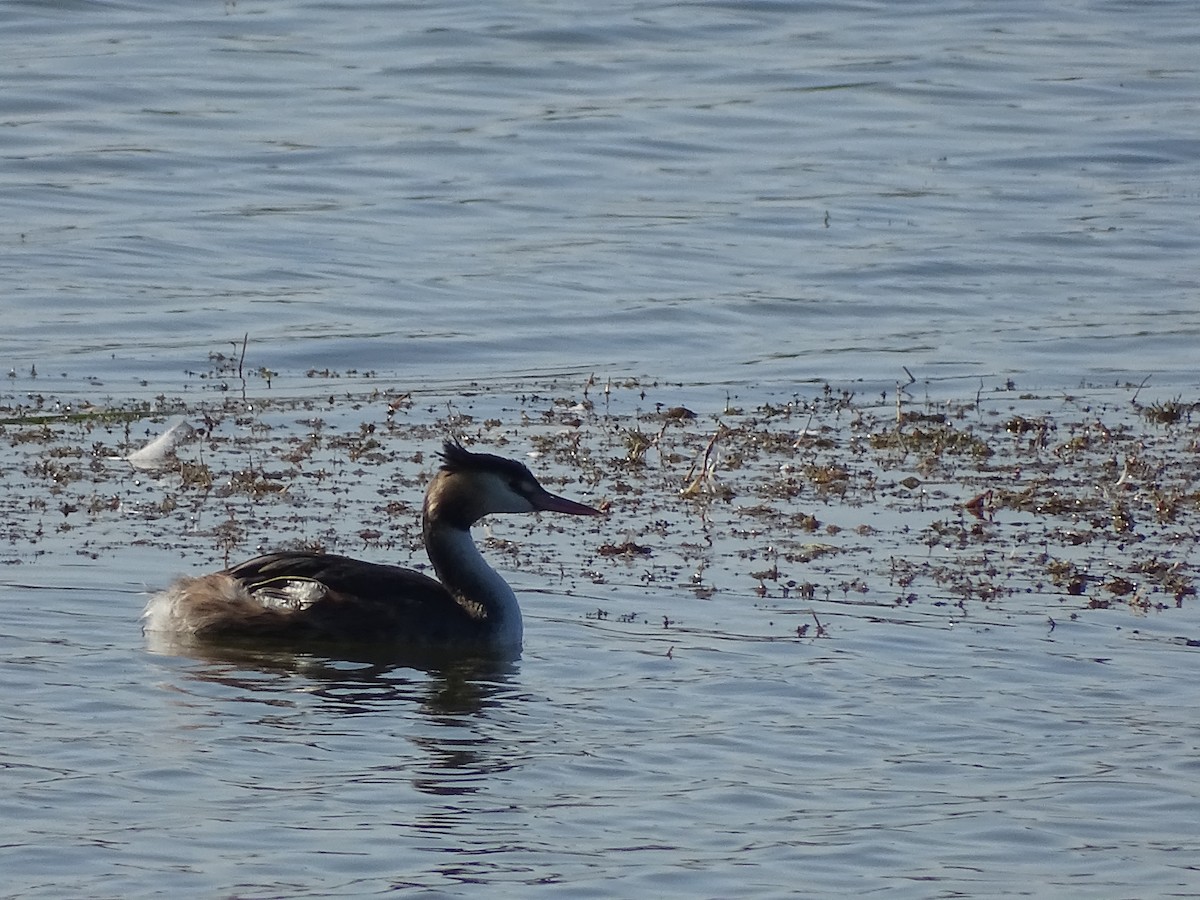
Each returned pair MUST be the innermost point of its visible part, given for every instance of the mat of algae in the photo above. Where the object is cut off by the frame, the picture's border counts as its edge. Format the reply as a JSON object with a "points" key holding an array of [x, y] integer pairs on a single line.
{"points": [[757, 515]]}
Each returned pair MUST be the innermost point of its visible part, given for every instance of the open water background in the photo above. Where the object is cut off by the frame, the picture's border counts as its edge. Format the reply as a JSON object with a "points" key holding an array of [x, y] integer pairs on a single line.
{"points": [[755, 195], [765, 191]]}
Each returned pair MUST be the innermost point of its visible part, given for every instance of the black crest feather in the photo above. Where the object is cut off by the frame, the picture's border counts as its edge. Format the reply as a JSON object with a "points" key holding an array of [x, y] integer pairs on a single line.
{"points": [[457, 458]]}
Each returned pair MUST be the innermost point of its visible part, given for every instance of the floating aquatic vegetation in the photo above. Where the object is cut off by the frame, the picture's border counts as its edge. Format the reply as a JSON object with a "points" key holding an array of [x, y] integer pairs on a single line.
{"points": [[764, 501]]}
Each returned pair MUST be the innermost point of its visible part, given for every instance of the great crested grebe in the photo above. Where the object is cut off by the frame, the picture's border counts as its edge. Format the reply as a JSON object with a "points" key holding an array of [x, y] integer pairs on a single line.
{"points": [[299, 595]]}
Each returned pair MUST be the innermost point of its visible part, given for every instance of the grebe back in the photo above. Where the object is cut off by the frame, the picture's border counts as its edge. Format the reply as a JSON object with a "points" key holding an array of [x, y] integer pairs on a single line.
{"points": [[300, 595]]}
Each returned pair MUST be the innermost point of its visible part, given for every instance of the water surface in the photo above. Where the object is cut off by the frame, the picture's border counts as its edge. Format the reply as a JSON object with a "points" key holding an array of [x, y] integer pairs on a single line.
{"points": [[765, 192], [724, 206]]}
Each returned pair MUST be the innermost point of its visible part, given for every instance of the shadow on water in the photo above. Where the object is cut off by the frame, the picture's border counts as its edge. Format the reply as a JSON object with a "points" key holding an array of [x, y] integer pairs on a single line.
{"points": [[354, 679], [390, 722]]}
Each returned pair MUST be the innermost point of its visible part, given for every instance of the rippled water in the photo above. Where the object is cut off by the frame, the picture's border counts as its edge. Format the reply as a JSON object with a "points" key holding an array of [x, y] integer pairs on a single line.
{"points": [[780, 191], [755, 195], [997, 759], [669, 730]]}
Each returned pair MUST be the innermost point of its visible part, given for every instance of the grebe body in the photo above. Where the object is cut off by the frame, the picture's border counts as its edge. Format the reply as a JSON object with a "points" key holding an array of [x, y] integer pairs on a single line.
{"points": [[301, 596]]}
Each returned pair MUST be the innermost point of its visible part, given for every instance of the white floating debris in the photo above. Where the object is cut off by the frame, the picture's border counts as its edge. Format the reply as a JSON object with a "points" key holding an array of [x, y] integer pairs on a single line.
{"points": [[157, 453]]}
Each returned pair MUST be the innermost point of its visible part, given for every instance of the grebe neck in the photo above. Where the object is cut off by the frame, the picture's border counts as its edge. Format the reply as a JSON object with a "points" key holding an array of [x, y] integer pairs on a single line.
{"points": [[474, 584]]}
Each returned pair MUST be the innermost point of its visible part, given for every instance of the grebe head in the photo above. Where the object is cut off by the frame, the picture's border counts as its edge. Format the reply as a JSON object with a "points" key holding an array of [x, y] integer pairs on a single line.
{"points": [[470, 486]]}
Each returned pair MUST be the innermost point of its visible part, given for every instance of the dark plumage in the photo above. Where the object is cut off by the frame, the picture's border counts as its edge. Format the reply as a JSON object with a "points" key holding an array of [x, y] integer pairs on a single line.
{"points": [[305, 596]]}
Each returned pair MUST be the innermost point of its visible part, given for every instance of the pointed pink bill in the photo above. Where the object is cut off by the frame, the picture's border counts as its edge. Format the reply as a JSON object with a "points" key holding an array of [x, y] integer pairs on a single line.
{"points": [[553, 503]]}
